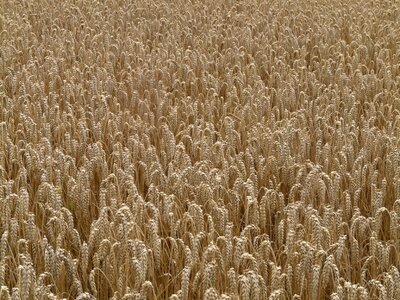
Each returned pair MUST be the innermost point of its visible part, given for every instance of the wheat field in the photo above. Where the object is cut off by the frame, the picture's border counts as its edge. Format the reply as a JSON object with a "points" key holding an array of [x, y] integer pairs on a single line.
{"points": [[200, 149]]}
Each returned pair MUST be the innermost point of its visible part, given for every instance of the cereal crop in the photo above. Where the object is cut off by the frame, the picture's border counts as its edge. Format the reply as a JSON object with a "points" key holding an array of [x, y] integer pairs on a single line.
{"points": [[198, 149]]}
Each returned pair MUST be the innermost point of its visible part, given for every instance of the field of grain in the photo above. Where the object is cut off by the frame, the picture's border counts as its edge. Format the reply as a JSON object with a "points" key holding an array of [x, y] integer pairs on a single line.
{"points": [[200, 149]]}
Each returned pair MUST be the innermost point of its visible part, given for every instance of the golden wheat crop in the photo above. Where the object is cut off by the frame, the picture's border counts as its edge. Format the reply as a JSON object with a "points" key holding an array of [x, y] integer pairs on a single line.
{"points": [[155, 149]]}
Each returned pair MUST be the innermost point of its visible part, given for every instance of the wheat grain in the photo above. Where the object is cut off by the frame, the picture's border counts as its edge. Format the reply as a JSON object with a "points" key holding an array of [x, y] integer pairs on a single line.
{"points": [[199, 149]]}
